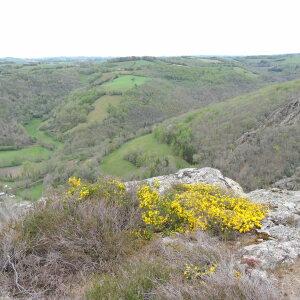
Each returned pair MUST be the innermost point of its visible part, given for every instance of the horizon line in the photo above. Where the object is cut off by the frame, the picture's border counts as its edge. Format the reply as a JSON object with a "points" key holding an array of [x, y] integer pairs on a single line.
{"points": [[156, 56]]}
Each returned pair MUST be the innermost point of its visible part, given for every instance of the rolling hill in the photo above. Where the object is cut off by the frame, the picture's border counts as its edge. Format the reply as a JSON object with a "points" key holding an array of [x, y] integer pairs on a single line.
{"points": [[253, 138], [60, 117]]}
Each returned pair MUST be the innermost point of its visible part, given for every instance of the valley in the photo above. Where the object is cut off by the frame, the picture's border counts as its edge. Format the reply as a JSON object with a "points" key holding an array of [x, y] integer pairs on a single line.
{"points": [[150, 150], [139, 117]]}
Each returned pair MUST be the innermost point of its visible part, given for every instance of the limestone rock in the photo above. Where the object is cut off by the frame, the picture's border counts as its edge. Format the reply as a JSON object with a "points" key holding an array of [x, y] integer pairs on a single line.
{"points": [[282, 226], [193, 175]]}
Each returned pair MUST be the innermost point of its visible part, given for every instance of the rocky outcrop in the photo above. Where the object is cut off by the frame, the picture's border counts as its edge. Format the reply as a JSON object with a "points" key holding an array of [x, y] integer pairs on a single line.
{"points": [[287, 115], [280, 242], [289, 183], [193, 175], [10, 208], [281, 229]]}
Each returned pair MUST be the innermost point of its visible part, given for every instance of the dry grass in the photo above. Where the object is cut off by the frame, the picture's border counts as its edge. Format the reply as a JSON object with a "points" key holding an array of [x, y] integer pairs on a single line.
{"points": [[75, 247], [158, 273], [62, 242]]}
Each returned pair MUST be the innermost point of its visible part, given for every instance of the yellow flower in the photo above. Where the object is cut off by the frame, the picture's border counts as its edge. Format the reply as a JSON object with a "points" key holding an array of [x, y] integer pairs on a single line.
{"points": [[198, 206], [74, 182], [237, 274], [84, 192]]}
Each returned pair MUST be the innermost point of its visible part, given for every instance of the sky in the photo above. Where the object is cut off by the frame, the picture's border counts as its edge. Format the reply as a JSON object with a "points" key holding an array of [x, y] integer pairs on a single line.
{"points": [[47, 28]]}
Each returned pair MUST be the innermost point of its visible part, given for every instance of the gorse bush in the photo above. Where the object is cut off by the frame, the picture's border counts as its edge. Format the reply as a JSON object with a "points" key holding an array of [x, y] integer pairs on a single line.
{"points": [[110, 189], [102, 231], [198, 206]]}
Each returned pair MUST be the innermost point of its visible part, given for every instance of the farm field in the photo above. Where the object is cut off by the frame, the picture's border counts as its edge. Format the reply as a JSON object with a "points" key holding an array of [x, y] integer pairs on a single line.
{"points": [[17, 157], [33, 129], [115, 164], [124, 83], [32, 193], [12, 161], [101, 105]]}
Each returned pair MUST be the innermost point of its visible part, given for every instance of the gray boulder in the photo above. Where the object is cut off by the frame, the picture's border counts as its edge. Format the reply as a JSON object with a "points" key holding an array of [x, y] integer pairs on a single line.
{"points": [[281, 227], [192, 175]]}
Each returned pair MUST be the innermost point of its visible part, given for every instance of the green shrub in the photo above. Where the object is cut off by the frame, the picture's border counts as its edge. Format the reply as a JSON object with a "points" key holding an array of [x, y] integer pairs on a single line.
{"points": [[134, 281]]}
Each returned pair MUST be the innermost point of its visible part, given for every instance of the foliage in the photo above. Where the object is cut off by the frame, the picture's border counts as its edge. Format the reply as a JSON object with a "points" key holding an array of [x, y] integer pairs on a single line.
{"points": [[133, 282], [248, 138], [111, 189], [140, 158], [83, 110], [198, 206], [180, 138], [68, 238]]}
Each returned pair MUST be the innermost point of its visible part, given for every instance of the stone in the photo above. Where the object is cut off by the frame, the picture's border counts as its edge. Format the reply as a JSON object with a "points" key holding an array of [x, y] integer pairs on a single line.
{"points": [[193, 175], [281, 226]]}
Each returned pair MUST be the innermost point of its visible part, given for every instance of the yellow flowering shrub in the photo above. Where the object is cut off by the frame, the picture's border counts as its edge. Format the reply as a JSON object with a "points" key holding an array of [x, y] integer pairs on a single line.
{"points": [[74, 182], [198, 206], [111, 189]]}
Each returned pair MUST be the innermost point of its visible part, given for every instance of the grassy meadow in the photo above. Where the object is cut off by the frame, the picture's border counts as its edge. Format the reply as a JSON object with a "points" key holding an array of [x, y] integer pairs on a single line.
{"points": [[42, 137], [124, 83], [99, 113], [115, 164], [17, 157]]}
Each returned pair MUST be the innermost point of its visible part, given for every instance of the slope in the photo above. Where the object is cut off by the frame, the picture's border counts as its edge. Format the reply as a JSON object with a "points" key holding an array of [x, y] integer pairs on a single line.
{"points": [[141, 157], [254, 138]]}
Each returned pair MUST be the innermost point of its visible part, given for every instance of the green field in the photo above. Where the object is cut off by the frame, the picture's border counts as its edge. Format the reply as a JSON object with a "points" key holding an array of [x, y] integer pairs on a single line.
{"points": [[100, 111], [33, 129], [12, 161], [33, 193], [115, 164], [17, 157], [124, 83], [121, 84]]}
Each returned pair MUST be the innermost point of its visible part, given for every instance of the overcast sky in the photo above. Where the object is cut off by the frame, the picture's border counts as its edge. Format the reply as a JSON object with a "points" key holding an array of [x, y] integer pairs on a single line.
{"points": [[41, 28]]}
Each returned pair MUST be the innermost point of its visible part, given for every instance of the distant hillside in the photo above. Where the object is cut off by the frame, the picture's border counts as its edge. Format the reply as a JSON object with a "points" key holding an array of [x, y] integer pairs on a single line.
{"points": [[60, 116], [253, 138]]}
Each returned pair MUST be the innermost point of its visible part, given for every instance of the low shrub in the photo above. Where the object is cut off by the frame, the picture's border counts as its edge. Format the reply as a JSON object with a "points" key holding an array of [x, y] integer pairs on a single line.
{"points": [[99, 229], [189, 266], [198, 206], [64, 240], [135, 280], [203, 268]]}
